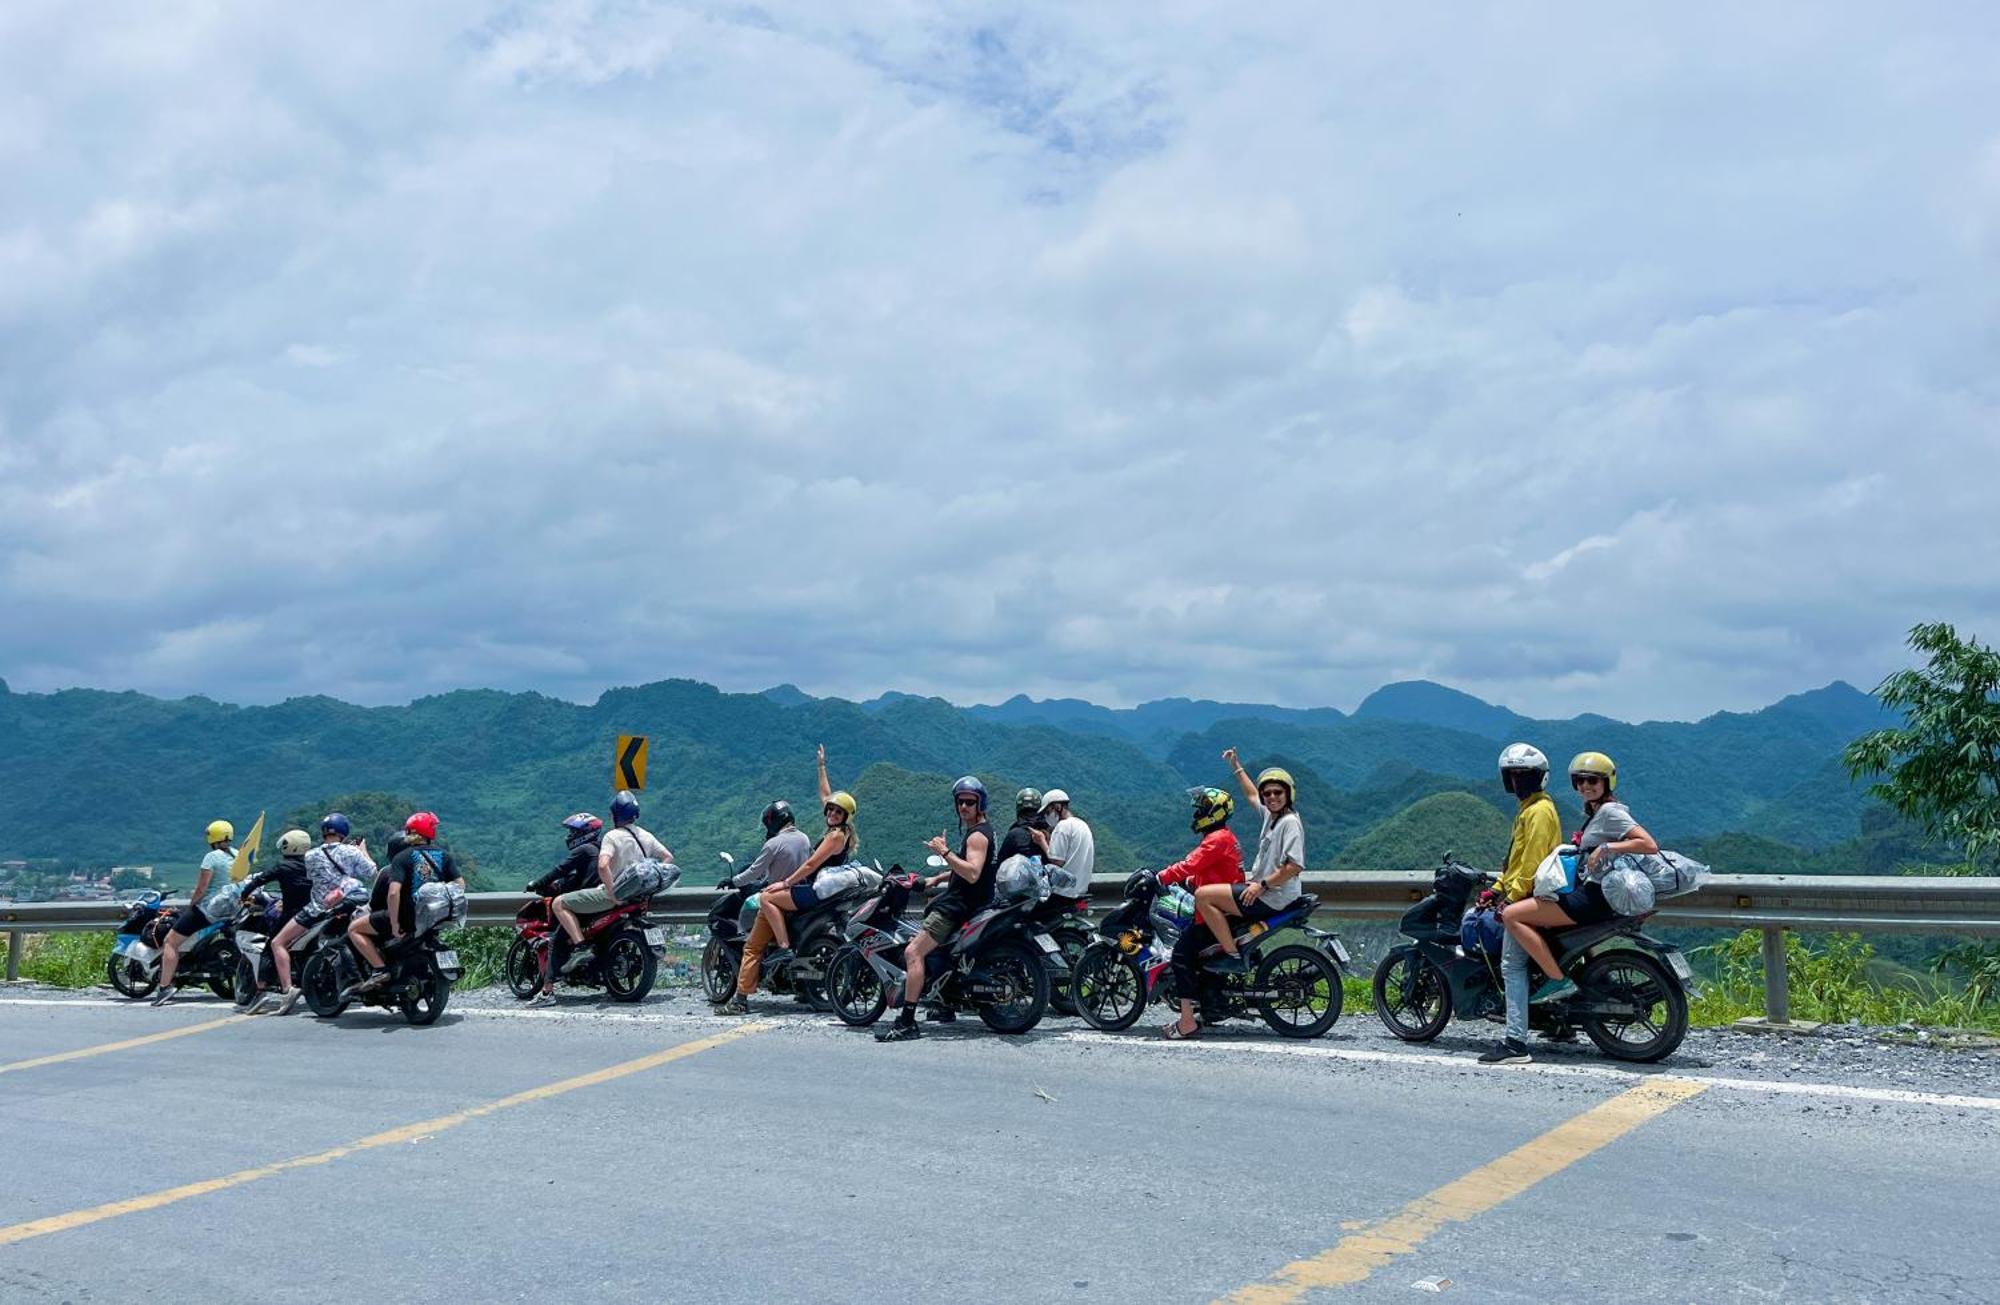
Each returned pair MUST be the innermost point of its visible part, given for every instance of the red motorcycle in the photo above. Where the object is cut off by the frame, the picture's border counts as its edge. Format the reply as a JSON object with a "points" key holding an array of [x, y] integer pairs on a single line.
{"points": [[623, 946]]}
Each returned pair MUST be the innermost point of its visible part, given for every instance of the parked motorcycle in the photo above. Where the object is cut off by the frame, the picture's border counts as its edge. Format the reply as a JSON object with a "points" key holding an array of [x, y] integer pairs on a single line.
{"points": [[624, 945], [1067, 920], [1632, 990], [421, 968], [134, 965], [1001, 963], [816, 935], [1295, 987]]}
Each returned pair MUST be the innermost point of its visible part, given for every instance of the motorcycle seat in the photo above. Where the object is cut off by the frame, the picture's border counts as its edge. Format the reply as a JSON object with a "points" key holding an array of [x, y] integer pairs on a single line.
{"points": [[1577, 937]]}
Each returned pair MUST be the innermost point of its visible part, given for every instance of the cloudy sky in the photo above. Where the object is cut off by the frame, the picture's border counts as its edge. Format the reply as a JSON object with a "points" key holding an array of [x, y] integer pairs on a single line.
{"points": [[1586, 358]]}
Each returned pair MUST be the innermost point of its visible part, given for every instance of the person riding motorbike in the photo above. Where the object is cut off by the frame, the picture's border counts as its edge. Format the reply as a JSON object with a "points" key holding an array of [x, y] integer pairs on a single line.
{"points": [[213, 875], [1273, 883], [294, 882], [1608, 831], [785, 849], [328, 866], [576, 870], [970, 870], [1217, 860], [793, 891], [1524, 773], [614, 854], [392, 905]]}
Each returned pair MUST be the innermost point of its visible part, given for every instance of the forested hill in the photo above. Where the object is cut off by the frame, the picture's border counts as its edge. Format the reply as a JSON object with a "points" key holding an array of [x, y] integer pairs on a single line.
{"points": [[97, 776]]}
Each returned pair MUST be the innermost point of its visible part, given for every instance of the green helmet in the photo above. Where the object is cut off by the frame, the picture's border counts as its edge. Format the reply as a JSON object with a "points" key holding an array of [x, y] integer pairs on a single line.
{"points": [[1028, 802]]}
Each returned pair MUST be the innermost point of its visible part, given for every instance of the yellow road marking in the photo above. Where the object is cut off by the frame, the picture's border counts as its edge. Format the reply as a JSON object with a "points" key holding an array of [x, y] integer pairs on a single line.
{"points": [[105, 1049], [418, 1131], [1373, 1246]]}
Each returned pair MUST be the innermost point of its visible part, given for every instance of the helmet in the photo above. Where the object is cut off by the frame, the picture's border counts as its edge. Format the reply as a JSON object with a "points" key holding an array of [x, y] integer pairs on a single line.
{"points": [[581, 826], [624, 808], [1278, 775], [1054, 796], [399, 843], [776, 817], [220, 831], [845, 801], [1028, 802], [970, 784], [335, 823], [422, 825], [294, 842], [1524, 770], [1141, 882], [1594, 763], [1212, 808]]}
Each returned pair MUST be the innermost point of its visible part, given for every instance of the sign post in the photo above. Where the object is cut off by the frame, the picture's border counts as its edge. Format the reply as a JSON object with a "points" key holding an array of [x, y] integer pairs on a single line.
{"points": [[628, 766]]}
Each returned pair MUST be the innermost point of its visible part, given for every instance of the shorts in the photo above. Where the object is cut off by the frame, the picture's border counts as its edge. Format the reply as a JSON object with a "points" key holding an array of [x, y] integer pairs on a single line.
{"points": [[1585, 904], [192, 920], [943, 920], [587, 901], [1254, 911], [804, 897], [378, 924]]}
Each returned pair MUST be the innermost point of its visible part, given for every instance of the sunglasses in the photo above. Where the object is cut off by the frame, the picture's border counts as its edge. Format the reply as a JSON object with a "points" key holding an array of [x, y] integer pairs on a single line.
{"points": [[836, 811], [1273, 792], [1578, 781], [965, 802]]}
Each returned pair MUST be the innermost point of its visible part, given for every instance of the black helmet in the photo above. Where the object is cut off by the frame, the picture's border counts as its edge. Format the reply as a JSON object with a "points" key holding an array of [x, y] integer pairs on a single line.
{"points": [[970, 784], [624, 808], [1141, 883], [399, 842], [1028, 802], [776, 817]]}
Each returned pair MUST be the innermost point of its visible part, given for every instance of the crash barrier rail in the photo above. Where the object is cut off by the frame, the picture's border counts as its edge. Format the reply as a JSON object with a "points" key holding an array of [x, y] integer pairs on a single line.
{"points": [[1770, 903]]}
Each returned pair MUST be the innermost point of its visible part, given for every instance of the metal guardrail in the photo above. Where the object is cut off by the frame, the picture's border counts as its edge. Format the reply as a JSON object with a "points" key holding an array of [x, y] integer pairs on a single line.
{"points": [[1771, 903]]}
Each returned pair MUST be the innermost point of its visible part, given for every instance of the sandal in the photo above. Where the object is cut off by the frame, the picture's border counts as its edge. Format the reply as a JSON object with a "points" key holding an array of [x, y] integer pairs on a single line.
{"points": [[1174, 1033]]}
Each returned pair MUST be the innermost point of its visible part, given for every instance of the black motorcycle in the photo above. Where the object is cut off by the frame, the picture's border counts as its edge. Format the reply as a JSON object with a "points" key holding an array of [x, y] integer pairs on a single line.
{"points": [[816, 935], [1067, 920], [1631, 995], [1294, 987], [421, 968]]}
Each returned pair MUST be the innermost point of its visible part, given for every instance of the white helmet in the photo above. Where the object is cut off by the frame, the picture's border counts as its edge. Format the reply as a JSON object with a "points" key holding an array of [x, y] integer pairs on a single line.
{"points": [[1518, 759], [1052, 797]]}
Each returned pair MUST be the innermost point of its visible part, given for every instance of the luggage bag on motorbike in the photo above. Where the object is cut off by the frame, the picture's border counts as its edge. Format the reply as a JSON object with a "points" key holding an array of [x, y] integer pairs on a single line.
{"points": [[438, 904], [642, 879], [835, 880], [1020, 878]]}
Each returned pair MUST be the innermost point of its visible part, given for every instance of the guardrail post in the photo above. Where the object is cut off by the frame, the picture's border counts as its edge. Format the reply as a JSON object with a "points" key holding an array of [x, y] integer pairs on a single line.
{"points": [[1777, 990], [13, 955]]}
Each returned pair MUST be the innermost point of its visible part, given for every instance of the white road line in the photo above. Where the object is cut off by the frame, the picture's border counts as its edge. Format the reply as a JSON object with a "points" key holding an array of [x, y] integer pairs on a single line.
{"points": [[1417, 1059]]}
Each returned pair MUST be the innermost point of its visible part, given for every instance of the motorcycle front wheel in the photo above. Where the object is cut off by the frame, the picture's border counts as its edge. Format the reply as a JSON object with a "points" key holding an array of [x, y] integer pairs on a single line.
{"points": [[819, 955], [523, 968], [629, 967], [718, 970], [1412, 996], [854, 990], [129, 977], [1072, 938], [1655, 1031], [429, 1000], [1012, 963], [1109, 988], [1309, 994], [321, 982], [246, 983]]}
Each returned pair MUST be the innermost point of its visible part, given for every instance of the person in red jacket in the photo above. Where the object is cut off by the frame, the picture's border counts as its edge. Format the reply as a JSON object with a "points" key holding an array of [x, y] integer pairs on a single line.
{"points": [[1215, 860]]}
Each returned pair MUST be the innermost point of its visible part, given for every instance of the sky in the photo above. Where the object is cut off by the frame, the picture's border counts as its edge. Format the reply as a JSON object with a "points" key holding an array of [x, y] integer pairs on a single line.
{"points": [[1586, 358]]}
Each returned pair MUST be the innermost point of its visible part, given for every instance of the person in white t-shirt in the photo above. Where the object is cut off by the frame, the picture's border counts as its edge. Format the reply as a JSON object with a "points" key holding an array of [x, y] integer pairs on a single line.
{"points": [[625, 844], [1068, 849]]}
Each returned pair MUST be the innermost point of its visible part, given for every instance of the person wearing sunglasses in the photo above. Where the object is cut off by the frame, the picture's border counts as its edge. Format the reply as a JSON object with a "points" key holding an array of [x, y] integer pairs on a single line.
{"points": [[1273, 883], [1608, 831], [793, 891], [970, 871]]}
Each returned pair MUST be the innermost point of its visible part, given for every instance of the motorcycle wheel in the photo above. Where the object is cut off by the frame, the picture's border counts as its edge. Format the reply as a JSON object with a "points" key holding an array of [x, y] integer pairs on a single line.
{"points": [[1630, 975], [819, 954], [718, 970], [321, 982], [1412, 996], [245, 987], [1309, 984], [854, 990], [1109, 988], [129, 977], [1011, 960], [523, 970], [428, 1002], [1073, 939], [629, 967]]}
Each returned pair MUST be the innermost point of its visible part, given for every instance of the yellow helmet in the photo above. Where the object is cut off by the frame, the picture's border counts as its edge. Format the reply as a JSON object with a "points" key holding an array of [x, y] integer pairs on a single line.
{"points": [[294, 842], [220, 831], [845, 801], [1279, 775], [1594, 763]]}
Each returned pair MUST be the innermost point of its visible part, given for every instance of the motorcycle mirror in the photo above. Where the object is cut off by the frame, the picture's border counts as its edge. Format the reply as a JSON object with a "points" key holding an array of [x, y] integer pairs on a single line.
{"points": [[726, 857], [934, 862]]}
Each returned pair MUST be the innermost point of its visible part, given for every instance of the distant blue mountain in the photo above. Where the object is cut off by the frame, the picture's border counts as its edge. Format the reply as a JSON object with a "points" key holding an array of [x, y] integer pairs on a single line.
{"points": [[1420, 702]]}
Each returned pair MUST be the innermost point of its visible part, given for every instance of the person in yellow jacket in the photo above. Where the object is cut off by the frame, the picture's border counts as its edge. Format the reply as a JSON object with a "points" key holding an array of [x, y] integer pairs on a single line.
{"points": [[1524, 772]]}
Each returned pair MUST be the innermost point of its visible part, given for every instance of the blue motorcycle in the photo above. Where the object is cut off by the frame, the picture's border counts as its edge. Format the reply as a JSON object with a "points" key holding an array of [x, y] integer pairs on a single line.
{"points": [[209, 957]]}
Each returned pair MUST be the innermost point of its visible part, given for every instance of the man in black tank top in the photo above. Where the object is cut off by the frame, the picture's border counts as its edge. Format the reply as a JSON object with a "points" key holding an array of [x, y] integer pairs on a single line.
{"points": [[971, 871]]}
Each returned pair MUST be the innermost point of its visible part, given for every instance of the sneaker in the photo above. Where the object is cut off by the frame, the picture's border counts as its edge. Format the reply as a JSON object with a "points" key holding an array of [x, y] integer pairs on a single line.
{"points": [[543, 998], [899, 1032], [1554, 990], [290, 999], [1229, 964], [1507, 1052], [264, 998], [163, 996], [734, 1006]]}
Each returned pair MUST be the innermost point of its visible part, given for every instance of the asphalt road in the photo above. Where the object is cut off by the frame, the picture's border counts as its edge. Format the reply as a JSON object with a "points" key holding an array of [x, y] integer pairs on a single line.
{"points": [[661, 1154]]}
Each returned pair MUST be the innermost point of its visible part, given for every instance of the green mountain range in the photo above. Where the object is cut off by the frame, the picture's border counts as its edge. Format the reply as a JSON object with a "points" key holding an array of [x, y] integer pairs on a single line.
{"points": [[99, 777]]}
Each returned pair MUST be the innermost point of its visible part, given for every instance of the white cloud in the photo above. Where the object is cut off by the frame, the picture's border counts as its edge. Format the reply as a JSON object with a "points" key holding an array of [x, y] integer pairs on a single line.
{"points": [[1257, 353]]}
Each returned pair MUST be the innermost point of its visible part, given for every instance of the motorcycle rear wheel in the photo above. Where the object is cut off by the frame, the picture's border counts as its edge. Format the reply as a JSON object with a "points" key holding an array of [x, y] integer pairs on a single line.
{"points": [[1412, 996], [1012, 960], [321, 982], [129, 977], [1311, 982], [245, 988], [1073, 938], [718, 970], [428, 1002], [629, 967], [819, 954], [1627, 974], [854, 990], [523, 968], [1108, 988]]}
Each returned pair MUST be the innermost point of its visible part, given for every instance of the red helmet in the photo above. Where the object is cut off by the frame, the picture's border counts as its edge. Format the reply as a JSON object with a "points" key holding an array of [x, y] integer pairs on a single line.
{"points": [[424, 825]]}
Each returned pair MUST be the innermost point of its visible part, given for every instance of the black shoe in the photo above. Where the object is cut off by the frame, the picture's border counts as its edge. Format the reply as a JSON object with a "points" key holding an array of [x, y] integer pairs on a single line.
{"points": [[941, 1015], [1229, 964], [1507, 1052], [900, 1031]]}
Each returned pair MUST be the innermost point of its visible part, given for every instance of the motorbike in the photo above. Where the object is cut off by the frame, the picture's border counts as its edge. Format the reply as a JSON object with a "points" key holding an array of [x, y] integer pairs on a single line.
{"points": [[1001, 963], [1631, 995], [1067, 920], [816, 935], [624, 944], [256, 970], [133, 968], [421, 968], [1295, 987]]}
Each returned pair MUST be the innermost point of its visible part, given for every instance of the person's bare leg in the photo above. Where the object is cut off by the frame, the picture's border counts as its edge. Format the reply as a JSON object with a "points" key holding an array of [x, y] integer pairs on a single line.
{"points": [[281, 953], [771, 907], [363, 939], [1525, 920], [170, 958], [1214, 903], [571, 925], [913, 961]]}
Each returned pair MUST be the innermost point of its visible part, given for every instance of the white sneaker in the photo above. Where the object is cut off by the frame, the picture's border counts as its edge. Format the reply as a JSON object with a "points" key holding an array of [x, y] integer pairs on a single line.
{"points": [[290, 999]]}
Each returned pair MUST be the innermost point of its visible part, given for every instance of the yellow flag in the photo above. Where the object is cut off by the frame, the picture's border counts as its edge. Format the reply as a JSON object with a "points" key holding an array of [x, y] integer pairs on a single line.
{"points": [[246, 852]]}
